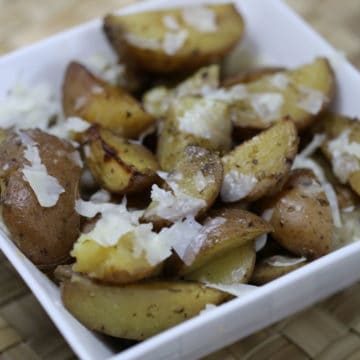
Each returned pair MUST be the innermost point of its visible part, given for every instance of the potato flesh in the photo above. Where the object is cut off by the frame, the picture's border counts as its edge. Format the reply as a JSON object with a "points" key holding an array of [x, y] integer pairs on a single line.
{"points": [[266, 158], [234, 267], [136, 311], [118, 165], [113, 264], [297, 89], [200, 48], [97, 102]]}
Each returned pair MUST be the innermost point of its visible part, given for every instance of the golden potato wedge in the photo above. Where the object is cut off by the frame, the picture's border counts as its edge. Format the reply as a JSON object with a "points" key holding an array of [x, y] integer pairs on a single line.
{"points": [[189, 190], [234, 267], [136, 311], [175, 39], [251, 75], [302, 217], [273, 267], [342, 147], [260, 166], [193, 121], [301, 94], [97, 102], [157, 100], [112, 264], [118, 165], [44, 231], [228, 229]]}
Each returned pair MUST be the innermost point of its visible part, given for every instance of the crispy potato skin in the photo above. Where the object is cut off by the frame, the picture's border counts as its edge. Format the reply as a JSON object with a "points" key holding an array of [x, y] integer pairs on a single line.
{"points": [[264, 272], [44, 234], [92, 99], [239, 228], [317, 75], [233, 267], [192, 162], [118, 165], [136, 311], [268, 157], [302, 217], [333, 125], [199, 49], [251, 75], [172, 140]]}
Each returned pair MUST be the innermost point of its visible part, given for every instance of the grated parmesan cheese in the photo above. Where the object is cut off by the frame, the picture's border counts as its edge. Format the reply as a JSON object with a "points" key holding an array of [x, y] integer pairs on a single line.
{"points": [[46, 187], [345, 156], [200, 18], [170, 22], [26, 107], [201, 181], [173, 42], [233, 289], [236, 186], [267, 105], [207, 119], [282, 261], [279, 80], [207, 309], [260, 242], [105, 67], [311, 100]]}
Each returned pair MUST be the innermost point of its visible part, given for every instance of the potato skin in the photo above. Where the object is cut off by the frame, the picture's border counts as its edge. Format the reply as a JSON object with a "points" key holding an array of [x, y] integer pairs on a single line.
{"points": [[136, 311], [267, 158], [302, 217], [117, 165], [94, 100], [44, 234], [239, 228], [199, 49]]}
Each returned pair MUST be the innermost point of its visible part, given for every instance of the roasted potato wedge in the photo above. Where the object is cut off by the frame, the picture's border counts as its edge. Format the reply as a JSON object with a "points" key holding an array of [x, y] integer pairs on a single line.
{"points": [[118, 165], [157, 100], [175, 39], [273, 267], [136, 311], [112, 264], [44, 231], [97, 102], [193, 121], [251, 75], [228, 229], [190, 189], [260, 166], [301, 94], [302, 217], [342, 147], [234, 267]]}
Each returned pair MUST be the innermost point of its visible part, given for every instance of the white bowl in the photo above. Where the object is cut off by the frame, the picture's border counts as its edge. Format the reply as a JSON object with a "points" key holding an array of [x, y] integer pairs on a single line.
{"points": [[276, 33]]}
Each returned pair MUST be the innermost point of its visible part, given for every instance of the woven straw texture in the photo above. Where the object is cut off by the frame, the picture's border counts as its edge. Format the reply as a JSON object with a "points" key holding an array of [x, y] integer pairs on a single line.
{"points": [[329, 330]]}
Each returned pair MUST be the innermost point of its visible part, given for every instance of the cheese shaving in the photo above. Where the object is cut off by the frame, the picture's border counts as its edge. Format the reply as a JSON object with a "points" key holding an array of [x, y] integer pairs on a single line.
{"points": [[207, 309], [279, 81], [45, 187], [236, 186], [267, 105], [311, 100], [200, 18], [233, 289], [170, 22], [283, 261], [260, 242], [174, 41]]}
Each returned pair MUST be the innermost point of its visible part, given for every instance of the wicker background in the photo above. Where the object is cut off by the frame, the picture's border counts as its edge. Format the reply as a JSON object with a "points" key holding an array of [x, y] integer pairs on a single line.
{"points": [[328, 331]]}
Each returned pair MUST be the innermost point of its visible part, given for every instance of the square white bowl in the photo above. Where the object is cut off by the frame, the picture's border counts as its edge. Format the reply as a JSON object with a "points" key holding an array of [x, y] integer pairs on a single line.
{"points": [[274, 32]]}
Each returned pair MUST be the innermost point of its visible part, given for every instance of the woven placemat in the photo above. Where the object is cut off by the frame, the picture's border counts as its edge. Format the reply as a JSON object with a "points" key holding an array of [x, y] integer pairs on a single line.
{"points": [[329, 330]]}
